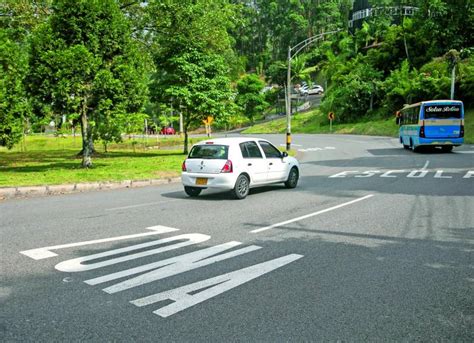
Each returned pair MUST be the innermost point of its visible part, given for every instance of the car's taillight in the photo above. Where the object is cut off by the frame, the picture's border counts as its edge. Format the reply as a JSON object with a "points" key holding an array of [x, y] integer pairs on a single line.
{"points": [[461, 132], [227, 168], [183, 166], [422, 131]]}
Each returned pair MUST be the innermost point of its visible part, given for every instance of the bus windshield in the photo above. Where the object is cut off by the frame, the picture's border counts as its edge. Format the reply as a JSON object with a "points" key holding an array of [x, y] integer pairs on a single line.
{"points": [[442, 111]]}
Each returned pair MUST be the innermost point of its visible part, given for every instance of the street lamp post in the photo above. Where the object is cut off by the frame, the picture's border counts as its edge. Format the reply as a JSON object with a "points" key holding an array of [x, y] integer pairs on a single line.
{"points": [[297, 49], [288, 102]]}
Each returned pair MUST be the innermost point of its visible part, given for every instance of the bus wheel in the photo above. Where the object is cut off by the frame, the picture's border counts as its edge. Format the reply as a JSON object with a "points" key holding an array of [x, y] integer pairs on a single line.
{"points": [[406, 146], [412, 146], [447, 148]]}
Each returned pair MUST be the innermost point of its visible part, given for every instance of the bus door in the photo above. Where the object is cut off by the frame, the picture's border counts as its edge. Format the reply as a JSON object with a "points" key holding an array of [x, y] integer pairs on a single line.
{"points": [[443, 120]]}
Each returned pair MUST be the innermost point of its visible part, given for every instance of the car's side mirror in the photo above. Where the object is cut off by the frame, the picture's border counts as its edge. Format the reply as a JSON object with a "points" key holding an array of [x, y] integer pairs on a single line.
{"points": [[284, 154]]}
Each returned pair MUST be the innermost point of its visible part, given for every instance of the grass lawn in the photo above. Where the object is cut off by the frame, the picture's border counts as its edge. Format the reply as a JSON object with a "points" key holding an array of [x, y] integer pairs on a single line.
{"points": [[316, 122], [48, 160]]}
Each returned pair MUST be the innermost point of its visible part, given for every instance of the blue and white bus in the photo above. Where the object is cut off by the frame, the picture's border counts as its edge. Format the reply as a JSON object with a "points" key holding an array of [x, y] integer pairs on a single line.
{"points": [[435, 123]]}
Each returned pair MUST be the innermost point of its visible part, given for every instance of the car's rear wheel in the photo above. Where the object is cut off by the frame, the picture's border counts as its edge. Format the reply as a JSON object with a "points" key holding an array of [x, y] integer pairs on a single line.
{"points": [[192, 191], [293, 177], [242, 186]]}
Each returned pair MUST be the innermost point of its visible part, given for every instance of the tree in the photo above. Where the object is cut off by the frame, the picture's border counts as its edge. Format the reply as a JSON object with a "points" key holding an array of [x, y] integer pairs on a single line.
{"points": [[18, 18], [193, 48], [84, 62], [353, 91], [14, 105], [250, 97]]}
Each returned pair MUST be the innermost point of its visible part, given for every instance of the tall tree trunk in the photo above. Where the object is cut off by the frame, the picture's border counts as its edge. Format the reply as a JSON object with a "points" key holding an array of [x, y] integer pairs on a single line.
{"points": [[185, 150], [87, 144], [186, 124], [406, 47]]}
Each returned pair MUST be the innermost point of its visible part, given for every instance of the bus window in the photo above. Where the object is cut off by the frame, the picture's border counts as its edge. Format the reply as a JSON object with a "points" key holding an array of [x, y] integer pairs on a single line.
{"points": [[442, 111]]}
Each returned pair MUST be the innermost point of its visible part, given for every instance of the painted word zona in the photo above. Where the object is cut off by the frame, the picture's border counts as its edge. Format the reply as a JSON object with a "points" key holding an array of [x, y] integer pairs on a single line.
{"points": [[180, 298], [415, 174]]}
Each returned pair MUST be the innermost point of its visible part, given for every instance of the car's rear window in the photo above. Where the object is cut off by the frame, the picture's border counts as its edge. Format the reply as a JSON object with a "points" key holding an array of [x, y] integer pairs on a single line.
{"points": [[210, 151]]}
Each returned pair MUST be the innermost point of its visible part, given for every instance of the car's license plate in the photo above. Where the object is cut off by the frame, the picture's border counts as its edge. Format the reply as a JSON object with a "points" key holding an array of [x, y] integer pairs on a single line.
{"points": [[201, 181]]}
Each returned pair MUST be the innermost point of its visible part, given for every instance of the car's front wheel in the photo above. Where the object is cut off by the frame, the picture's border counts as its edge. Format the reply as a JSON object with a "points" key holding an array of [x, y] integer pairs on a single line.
{"points": [[293, 177], [242, 186], [192, 191]]}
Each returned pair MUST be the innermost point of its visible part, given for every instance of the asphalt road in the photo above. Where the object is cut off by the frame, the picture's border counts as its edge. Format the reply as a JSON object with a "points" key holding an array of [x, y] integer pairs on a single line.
{"points": [[375, 244]]}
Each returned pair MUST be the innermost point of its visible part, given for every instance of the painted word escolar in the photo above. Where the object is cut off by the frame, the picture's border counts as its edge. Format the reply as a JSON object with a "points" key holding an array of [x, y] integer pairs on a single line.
{"points": [[416, 174]]}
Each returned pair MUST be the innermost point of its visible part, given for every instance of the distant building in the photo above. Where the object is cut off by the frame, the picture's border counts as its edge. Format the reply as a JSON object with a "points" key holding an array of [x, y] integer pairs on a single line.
{"points": [[362, 9]]}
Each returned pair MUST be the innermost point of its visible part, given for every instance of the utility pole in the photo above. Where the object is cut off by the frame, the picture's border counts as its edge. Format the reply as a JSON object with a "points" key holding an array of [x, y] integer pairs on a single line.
{"points": [[288, 102]]}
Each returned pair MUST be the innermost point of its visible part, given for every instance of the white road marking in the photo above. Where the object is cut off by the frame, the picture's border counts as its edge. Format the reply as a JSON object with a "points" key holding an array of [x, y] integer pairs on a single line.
{"points": [[41, 253], [388, 173], [369, 173], [76, 264], [140, 205], [344, 173], [317, 149], [464, 152], [469, 174], [312, 214], [426, 165], [439, 175], [178, 265], [416, 173], [183, 299]]}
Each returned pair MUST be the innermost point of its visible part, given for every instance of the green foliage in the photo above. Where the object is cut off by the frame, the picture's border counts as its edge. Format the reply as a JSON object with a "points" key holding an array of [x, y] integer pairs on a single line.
{"points": [[14, 105], [406, 85], [192, 57], [353, 90], [466, 80], [250, 98], [84, 62]]}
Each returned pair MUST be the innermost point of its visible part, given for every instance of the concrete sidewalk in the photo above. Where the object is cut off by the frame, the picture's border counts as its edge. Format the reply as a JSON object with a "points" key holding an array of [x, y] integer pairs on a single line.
{"points": [[18, 192]]}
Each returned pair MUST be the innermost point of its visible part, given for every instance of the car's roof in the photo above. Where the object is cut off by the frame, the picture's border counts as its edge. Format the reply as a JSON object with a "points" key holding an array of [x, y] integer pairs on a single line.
{"points": [[231, 140]]}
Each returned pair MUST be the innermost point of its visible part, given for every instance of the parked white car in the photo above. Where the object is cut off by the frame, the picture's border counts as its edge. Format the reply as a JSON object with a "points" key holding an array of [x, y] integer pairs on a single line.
{"points": [[315, 89], [237, 164]]}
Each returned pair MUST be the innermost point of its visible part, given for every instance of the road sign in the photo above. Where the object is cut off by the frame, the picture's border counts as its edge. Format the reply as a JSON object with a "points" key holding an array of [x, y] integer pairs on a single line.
{"points": [[208, 120], [331, 117]]}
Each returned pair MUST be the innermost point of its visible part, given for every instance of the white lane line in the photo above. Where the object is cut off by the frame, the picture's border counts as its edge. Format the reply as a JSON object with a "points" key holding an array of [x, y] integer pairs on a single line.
{"points": [[291, 144], [139, 205], [464, 152], [426, 165], [311, 214]]}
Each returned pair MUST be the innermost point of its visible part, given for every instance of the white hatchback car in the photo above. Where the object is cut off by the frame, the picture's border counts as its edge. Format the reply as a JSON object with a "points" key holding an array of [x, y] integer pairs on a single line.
{"points": [[237, 164]]}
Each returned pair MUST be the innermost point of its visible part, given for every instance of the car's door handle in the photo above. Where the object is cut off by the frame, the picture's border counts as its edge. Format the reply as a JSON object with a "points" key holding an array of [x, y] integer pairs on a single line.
{"points": [[270, 164], [249, 164]]}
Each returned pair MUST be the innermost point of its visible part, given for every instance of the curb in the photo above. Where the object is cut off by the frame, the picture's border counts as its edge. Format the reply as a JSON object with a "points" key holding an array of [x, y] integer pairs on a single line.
{"points": [[30, 191]]}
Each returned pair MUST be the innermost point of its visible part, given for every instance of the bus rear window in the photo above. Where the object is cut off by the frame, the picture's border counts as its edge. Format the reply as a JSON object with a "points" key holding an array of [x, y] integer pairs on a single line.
{"points": [[442, 111], [210, 152]]}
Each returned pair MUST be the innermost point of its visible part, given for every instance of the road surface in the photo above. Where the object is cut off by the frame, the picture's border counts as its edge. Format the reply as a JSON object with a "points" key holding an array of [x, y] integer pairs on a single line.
{"points": [[375, 244]]}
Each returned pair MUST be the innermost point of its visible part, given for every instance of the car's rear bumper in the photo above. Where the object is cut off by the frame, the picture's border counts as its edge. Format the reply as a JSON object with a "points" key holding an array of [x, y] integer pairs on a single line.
{"points": [[221, 181]]}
